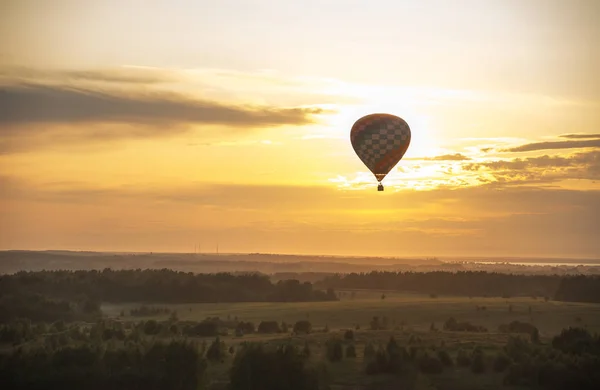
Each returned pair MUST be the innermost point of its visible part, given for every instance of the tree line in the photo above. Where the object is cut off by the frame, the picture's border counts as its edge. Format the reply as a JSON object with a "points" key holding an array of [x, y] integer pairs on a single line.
{"points": [[72, 295], [578, 288]]}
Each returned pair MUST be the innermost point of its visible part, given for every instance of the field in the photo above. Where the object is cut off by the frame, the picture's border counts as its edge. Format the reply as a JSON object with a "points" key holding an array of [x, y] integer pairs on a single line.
{"points": [[408, 316], [417, 311]]}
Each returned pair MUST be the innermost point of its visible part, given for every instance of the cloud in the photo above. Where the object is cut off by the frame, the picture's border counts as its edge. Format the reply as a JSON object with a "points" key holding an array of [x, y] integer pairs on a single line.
{"points": [[448, 157], [593, 143], [125, 75], [580, 136], [541, 169], [29, 104]]}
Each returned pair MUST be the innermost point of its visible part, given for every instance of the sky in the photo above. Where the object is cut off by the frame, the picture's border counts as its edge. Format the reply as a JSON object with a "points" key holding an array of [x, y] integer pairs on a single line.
{"points": [[130, 125]]}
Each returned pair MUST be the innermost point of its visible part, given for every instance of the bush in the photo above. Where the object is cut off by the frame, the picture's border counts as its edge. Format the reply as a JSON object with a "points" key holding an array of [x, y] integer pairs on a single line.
{"points": [[369, 351], [335, 351], [445, 358], [151, 328], [206, 328], [306, 350], [576, 341], [216, 351], [244, 327], [258, 367], [517, 349], [430, 364], [462, 358], [269, 327], [517, 327], [477, 362], [302, 326], [350, 351], [454, 326], [501, 362]]}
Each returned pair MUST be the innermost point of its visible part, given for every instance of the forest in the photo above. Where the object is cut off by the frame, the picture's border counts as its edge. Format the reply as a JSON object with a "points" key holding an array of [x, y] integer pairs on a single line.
{"points": [[76, 295], [568, 288], [162, 329]]}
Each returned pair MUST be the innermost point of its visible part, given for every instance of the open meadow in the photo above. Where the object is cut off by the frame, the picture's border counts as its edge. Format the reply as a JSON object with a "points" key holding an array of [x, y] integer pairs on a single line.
{"points": [[411, 319], [417, 311]]}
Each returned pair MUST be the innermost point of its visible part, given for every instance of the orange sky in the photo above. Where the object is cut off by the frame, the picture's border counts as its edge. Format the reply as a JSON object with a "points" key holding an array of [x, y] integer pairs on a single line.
{"points": [[156, 126]]}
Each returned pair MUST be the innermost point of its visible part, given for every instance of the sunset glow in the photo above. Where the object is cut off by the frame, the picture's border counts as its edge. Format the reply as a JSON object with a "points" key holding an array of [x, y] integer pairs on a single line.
{"points": [[229, 122]]}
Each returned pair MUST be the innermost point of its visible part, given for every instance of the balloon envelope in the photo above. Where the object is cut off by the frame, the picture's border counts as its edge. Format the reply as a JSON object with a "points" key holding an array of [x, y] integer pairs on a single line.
{"points": [[380, 141]]}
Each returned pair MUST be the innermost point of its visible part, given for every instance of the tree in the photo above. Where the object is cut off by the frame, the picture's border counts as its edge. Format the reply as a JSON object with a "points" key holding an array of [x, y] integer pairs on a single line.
{"points": [[350, 351], [477, 362], [335, 351], [302, 326], [269, 327], [501, 362], [257, 367], [216, 350]]}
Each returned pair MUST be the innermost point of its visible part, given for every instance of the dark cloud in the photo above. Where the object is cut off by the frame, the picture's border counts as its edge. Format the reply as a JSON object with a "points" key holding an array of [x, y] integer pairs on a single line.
{"points": [[30, 104], [448, 157], [580, 136], [592, 143], [120, 75]]}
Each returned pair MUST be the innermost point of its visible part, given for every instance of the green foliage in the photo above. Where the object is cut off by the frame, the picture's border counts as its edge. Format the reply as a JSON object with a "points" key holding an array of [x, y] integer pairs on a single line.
{"points": [[517, 327], [50, 295], [152, 327], [244, 328], [577, 341], [306, 350], [176, 365], [501, 362], [269, 327], [445, 358], [23, 303], [429, 364], [462, 358], [517, 349], [148, 311], [257, 367], [369, 352], [454, 326], [302, 326], [216, 351], [477, 361], [351, 351], [335, 350], [376, 324], [580, 288], [205, 328]]}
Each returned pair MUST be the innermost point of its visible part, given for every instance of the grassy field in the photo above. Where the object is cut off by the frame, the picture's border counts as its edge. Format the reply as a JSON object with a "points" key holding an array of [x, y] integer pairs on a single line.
{"points": [[416, 312]]}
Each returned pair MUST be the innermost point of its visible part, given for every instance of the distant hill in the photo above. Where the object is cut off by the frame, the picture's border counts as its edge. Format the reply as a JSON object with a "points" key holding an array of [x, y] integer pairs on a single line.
{"points": [[277, 265]]}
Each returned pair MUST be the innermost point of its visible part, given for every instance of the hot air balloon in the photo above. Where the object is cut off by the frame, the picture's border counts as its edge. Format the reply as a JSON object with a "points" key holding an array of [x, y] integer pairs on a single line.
{"points": [[380, 141]]}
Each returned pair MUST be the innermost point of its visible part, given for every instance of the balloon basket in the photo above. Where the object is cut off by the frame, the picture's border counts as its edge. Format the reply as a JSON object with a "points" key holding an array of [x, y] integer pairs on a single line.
{"points": [[380, 187]]}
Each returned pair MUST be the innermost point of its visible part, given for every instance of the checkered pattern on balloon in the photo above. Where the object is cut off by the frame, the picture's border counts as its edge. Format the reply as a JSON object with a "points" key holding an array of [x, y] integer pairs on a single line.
{"points": [[380, 141]]}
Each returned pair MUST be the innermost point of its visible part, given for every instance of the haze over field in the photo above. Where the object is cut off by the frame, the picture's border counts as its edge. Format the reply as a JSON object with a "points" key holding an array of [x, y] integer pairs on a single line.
{"points": [[155, 126]]}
